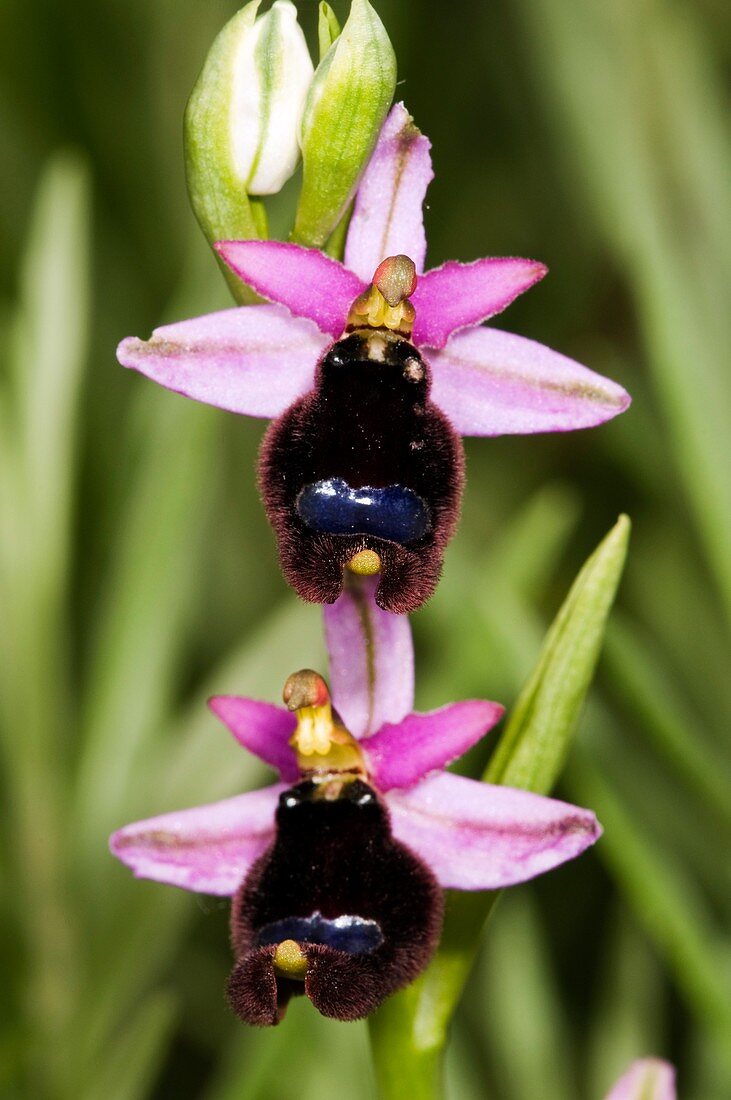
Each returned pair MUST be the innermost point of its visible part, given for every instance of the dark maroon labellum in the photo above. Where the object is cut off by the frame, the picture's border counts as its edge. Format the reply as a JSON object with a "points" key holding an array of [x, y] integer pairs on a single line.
{"points": [[364, 462], [363, 910]]}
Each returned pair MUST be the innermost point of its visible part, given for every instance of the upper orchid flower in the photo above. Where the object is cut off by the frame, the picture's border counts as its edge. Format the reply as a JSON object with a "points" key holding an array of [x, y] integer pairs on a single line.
{"points": [[336, 870], [363, 467]]}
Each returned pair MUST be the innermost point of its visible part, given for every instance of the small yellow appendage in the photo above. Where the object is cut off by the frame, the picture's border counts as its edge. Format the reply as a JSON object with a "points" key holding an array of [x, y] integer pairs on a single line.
{"points": [[366, 563], [290, 960]]}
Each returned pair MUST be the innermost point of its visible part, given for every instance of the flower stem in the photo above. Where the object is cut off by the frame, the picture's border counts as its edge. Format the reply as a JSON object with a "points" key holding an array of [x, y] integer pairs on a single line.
{"points": [[403, 1066]]}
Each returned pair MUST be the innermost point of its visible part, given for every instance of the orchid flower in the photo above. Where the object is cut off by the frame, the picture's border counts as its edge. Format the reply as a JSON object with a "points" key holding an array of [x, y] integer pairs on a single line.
{"points": [[646, 1079], [337, 869], [372, 370]]}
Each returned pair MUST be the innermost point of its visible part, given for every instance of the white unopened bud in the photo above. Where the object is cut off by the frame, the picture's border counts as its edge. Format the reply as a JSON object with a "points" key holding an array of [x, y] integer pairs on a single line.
{"points": [[242, 123], [272, 71]]}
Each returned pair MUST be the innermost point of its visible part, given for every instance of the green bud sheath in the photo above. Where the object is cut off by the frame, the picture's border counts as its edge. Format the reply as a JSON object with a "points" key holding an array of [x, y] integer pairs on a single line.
{"points": [[347, 103]]}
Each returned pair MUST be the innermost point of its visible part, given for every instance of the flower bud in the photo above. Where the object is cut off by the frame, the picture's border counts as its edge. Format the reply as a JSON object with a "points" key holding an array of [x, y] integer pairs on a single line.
{"points": [[272, 74], [243, 117], [346, 105]]}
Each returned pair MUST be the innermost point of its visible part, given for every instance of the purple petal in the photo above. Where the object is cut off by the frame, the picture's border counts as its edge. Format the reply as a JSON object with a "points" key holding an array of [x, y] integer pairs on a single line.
{"points": [[371, 660], [306, 281], [209, 849], [261, 728], [400, 755], [387, 218], [254, 360], [476, 836], [646, 1079], [458, 295], [490, 382]]}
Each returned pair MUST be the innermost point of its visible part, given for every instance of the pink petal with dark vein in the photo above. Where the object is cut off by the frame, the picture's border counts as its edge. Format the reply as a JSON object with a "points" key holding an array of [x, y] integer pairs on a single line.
{"points": [[371, 660], [254, 360], [490, 382], [476, 836], [387, 217], [208, 849]]}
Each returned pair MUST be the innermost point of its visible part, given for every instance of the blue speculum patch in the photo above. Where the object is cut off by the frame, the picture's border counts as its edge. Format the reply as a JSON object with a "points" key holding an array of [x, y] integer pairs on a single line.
{"points": [[354, 935], [394, 512]]}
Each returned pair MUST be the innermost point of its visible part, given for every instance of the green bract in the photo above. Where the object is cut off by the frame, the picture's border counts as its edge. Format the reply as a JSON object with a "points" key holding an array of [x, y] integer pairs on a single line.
{"points": [[347, 103]]}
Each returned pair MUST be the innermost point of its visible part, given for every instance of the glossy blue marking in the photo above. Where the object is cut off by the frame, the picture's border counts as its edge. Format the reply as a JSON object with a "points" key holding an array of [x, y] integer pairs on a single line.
{"points": [[355, 935], [393, 513]]}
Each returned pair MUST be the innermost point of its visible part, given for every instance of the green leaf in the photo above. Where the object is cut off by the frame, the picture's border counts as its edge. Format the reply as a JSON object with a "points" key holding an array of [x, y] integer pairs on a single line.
{"points": [[533, 748], [39, 442], [409, 1032], [350, 94]]}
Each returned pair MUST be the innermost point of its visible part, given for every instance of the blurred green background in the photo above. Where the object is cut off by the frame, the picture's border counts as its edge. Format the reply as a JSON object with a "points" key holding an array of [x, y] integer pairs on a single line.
{"points": [[138, 575]]}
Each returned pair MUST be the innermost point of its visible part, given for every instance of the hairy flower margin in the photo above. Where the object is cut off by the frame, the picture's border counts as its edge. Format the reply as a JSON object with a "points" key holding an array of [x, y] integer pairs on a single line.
{"points": [[333, 880], [269, 361]]}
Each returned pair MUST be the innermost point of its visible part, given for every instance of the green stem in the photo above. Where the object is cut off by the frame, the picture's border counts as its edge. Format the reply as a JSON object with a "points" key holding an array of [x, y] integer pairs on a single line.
{"points": [[403, 1067], [409, 1032]]}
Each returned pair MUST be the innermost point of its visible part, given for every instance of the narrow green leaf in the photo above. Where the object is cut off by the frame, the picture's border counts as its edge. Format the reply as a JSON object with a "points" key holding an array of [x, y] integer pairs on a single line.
{"points": [[45, 364], [533, 748]]}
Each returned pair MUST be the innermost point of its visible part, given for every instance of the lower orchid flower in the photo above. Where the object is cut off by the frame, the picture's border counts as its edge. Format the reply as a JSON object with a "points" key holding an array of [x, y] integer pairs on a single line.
{"points": [[372, 370], [337, 871]]}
